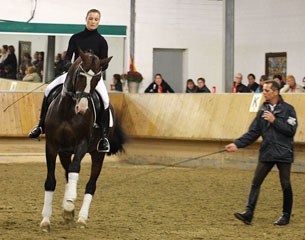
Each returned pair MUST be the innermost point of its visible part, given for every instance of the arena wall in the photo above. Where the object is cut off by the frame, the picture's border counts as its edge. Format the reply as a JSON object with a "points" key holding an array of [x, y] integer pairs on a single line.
{"points": [[168, 128]]}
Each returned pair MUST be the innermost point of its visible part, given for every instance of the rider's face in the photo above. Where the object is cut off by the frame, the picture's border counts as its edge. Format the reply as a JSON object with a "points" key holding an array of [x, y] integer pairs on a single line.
{"points": [[92, 21]]}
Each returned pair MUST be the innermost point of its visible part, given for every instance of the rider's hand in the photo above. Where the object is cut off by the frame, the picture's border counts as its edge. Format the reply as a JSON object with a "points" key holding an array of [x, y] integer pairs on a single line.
{"points": [[231, 147]]}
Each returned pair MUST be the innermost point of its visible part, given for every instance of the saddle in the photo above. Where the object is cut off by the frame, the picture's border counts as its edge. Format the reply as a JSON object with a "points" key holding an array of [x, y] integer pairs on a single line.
{"points": [[95, 99]]}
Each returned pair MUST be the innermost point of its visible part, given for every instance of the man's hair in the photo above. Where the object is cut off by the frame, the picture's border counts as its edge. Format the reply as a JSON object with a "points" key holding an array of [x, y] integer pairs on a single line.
{"points": [[278, 76], [93, 11], [274, 85], [251, 75], [201, 79], [117, 77]]}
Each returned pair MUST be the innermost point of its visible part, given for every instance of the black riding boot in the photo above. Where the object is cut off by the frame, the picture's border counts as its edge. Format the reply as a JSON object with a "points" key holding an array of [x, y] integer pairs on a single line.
{"points": [[39, 129], [247, 216], [287, 206], [103, 145]]}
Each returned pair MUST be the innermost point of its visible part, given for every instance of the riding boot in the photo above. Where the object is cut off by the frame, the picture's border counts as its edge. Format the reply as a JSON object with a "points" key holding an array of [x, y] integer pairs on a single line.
{"points": [[103, 145], [39, 129], [247, 216], [287, 206]]}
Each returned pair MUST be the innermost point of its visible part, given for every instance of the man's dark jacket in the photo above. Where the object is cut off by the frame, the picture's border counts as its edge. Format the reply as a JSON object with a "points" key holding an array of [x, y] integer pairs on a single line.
{"points": [[241, 88], [277, 144]]}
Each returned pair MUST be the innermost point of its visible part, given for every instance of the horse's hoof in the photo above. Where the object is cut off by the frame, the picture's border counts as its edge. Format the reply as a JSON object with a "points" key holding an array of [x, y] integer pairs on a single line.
{"points": [[81, 222], [68, 212], [45, 226]]}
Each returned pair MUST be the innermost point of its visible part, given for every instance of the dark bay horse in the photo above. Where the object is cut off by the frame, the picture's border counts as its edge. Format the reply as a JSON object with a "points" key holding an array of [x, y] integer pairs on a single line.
{"points": [[70, 133]]}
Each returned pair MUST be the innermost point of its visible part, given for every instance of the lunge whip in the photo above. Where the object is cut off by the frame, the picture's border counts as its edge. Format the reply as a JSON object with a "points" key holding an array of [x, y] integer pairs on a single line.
{"points": [[23, 97]]}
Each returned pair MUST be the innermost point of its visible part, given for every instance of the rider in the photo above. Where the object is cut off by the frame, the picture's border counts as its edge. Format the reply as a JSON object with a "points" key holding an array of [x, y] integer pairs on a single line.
{"points": [[87, 40]]}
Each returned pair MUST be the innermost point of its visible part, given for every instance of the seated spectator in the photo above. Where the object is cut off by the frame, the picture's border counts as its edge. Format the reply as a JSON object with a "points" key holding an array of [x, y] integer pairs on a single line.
{"points": [[117, 84], [21, 72], [158, 85], [304, 83], [201, 87], [252, 85], [261, 84], [59, 65], [279, 79], [190, 86], [291, 86], [31, 75], [240, 88]]}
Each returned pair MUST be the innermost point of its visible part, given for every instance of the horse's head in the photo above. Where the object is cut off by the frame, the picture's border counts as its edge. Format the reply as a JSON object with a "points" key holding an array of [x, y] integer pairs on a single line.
{"points": [[85, 74]]}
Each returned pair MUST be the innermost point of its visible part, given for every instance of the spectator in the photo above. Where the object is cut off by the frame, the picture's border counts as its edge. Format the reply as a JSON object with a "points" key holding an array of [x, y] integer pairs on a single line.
{"points": [[279, 79], [292, 86], [304, 83], [190, 86], [12, 61], [9, 72], [117, 84], [240, 88], [31, 75], [201, 87], [4, 53], [261, 84], [252, 85], [39, 64], [21, 72], [35, 57], [159, 85], [59, 65]]}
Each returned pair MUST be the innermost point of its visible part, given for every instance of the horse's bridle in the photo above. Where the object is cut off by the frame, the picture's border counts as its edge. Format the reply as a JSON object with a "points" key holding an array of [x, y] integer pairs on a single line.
{"points": [[80, 71]]}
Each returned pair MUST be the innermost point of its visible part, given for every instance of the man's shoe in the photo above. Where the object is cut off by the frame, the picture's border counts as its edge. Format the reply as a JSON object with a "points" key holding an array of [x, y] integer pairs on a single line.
{"points": [[103, 145], [245, 217], [35, 133], [283, 220]]}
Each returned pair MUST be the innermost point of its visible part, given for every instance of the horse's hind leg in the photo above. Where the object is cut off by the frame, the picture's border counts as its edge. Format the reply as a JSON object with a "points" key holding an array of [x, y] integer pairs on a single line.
{"points": [[49, 185], [96, 167]]}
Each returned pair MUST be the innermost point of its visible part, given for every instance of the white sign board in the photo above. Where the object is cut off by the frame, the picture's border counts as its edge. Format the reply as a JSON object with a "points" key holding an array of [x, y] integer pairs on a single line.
{"points": [[255, 103]]}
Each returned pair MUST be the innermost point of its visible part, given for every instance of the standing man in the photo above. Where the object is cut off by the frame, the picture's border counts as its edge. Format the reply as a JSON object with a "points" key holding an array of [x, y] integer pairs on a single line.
{"points": [[88, 40], [276, 122]]}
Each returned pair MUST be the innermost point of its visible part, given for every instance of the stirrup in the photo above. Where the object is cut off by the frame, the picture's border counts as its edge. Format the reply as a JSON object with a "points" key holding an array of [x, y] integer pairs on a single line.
{"points": [[100, 142]]}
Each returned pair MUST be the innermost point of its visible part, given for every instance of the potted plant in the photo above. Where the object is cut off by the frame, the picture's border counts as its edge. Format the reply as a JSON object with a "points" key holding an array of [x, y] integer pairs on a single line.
{"points": [[133, 80]]}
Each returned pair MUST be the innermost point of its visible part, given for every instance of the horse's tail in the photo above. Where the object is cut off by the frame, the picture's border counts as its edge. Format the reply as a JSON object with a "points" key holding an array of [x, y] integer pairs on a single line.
{"points": [[117, 139]]}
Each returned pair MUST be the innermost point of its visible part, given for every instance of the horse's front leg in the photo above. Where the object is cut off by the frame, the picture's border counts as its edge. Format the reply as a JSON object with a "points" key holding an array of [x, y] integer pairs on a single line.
{"points": [[96, 167], [71, 187], [49, 186]]}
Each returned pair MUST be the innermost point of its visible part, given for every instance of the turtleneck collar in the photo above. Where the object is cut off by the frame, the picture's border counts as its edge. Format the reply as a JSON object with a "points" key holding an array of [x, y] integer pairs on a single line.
{"points": [[90, 32]]}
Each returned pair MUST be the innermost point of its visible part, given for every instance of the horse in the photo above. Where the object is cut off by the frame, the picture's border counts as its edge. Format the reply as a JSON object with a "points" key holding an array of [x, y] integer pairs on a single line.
{"points": [[71, 133]]}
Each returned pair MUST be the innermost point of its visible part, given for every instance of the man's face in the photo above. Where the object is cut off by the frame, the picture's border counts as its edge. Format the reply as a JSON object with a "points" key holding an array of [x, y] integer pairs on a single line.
{"points": [[251, 80], [238, 79], [200, 83], [269, 94]]}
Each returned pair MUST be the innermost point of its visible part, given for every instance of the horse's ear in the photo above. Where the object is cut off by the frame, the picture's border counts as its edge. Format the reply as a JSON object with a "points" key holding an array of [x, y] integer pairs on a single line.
{"points": [[81, 54], [105, 61]]}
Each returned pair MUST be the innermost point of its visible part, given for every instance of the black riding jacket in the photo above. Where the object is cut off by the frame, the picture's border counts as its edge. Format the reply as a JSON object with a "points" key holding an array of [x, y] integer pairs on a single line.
{"points": [[87, 40], [277, 144]]}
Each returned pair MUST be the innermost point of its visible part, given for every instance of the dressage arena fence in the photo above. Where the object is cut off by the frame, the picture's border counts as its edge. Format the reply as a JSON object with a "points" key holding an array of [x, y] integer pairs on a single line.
{"points": [[165, 128]]}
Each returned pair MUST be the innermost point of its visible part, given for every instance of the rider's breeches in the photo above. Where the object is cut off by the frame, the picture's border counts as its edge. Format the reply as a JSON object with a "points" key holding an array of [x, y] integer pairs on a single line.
{"points": [[100, 88]]}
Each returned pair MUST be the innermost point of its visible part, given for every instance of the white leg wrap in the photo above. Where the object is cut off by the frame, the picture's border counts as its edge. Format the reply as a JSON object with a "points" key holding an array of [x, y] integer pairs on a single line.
{"points": [[47, 206], [102, 91], [84, 211], [71, 187], [54, 83]]}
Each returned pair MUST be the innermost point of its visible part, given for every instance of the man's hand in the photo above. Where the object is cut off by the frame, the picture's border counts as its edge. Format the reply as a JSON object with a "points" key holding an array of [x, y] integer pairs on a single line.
{"points": [[268, 116], [231, 147]]}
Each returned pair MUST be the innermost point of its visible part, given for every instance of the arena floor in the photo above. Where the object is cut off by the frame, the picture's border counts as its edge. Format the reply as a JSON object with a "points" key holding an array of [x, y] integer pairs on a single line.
{"points": [[147, 202]]}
